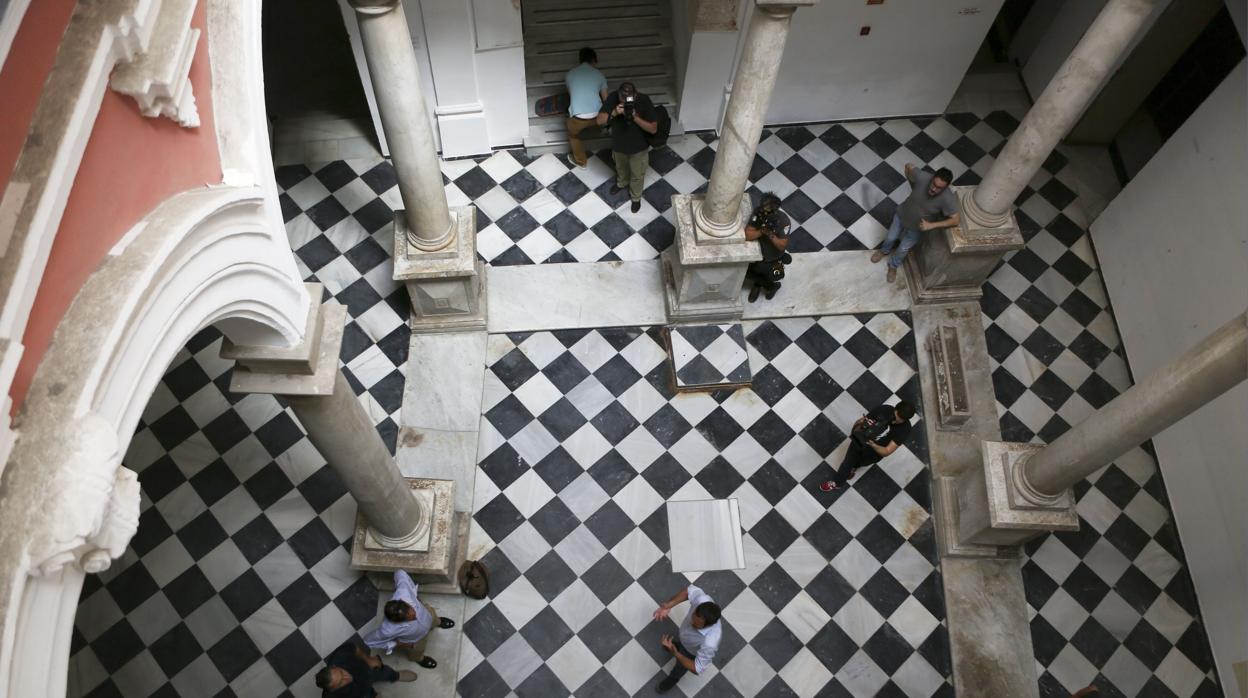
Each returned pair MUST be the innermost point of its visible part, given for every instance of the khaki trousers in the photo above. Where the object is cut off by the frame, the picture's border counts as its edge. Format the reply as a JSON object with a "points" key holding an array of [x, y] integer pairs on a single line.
{"points": [[416, 651], [577, 129], [630, 171]]}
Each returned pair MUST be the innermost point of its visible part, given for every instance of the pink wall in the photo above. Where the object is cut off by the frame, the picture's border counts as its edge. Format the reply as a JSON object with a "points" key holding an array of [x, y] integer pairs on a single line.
{"points": [[132, 163], [25, 70]]}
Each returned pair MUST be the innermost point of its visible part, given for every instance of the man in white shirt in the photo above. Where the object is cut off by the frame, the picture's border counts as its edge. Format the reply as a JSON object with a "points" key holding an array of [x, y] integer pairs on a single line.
{"points": [[406, 623], [699, 635]]}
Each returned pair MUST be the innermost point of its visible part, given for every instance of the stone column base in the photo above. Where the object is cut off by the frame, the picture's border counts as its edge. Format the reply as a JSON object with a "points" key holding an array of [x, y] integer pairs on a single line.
{"points": [[981, 513], [952, 264], [446, 287], [433, 558], [702, 274]]}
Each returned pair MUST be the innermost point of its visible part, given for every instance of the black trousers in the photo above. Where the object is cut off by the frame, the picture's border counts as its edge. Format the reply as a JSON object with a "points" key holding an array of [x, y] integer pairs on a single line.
{"points": [[679, 670], [858, 456]]}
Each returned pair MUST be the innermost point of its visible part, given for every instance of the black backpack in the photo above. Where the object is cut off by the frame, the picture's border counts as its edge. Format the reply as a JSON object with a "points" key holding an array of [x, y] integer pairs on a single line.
{"points": [[659, 137]]}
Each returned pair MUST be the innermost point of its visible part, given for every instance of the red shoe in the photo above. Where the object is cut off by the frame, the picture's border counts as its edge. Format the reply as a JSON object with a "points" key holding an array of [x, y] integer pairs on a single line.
{"points": [[829, 486]]}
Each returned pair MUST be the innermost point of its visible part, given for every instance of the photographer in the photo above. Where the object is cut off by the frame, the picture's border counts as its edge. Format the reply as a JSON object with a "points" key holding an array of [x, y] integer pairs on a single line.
{"points": [[632, 116], [770, 226], [875, 435]]}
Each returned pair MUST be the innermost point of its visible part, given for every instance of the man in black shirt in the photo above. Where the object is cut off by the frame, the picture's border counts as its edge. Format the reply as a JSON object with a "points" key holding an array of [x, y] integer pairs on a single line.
{"points": [[770, 226], [632, 118], [350, 673], [875, 435]]}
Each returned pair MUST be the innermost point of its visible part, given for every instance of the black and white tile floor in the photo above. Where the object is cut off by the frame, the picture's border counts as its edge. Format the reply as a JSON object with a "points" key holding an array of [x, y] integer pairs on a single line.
{"points": [[237, 580]]}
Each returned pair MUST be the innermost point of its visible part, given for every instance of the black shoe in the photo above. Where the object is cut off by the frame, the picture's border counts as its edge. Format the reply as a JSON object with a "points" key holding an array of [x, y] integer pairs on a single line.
{"points": [[664, 686], [636, 206], [616, 189], [445, 623], [429, 663], [754, 294], [771, 292]]}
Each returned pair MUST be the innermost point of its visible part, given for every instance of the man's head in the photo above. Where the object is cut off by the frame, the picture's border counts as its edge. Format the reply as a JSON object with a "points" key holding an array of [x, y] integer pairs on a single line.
{"points": [[332, 678], [904, 411], [399, 612], [940, 181], [588, 55], [627, 91], [705, 615], [769, 203]]}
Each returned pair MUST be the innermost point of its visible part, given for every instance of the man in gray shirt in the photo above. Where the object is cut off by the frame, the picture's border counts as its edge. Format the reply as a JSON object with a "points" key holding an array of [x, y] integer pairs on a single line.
{"points": [[931, 205], [698, 639]]}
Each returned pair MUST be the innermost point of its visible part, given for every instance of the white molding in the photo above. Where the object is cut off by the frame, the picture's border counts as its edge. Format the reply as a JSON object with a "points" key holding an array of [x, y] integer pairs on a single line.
{"points": [[159, 78], [9, 25]]}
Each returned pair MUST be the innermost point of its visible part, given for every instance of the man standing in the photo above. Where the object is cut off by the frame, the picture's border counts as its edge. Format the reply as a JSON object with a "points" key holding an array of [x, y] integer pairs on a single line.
{"points": [[632, 117], [587, 87], [770, 226], [406, 623], [350, 673], [931, 205], [698, 639], [875, 435]]}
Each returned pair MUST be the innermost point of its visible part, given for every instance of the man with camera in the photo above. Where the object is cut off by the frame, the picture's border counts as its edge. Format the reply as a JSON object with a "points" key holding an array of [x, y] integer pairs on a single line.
{"points": [[632, 116], [587, 88], [875, 435], [770, 226], [931, 205]]}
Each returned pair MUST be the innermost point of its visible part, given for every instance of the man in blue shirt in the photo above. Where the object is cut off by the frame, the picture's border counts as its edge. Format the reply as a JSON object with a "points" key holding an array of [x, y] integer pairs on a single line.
{"points": [[587, 87], [406, 623], [698, 640]]}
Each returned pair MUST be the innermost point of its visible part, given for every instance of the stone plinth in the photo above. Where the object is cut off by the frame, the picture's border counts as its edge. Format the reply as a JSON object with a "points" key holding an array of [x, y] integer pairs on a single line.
{"points": [[990, 517], [952, 400], [702, 273], [435, 556], [446, 287], [952, 264]]}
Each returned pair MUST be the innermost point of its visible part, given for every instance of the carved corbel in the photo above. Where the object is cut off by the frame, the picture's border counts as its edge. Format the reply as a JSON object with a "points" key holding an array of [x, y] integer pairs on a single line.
{"points": [[158, 78]]}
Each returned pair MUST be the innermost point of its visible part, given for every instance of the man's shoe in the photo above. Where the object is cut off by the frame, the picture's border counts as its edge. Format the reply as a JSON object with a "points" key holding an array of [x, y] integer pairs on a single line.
{"points": [[636, 206], [429, 663], [771, 292], [876, 256], [829, 486], [665, 685], [892, 274], [407, 676], [445, 623], [581, 164], [754, 294], [616, 189]]}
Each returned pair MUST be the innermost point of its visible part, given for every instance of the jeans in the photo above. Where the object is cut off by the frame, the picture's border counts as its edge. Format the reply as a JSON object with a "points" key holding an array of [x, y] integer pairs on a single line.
{"points": [[857, 456], [679, 670], [909, 238], [630, 171]]}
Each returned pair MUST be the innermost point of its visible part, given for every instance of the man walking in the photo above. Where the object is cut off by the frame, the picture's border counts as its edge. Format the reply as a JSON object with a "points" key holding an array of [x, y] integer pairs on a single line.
{"points": [[698, 639], [587, 87], [875, 435], [931, 205], [632, 117], [406, 623], [350, 673]]}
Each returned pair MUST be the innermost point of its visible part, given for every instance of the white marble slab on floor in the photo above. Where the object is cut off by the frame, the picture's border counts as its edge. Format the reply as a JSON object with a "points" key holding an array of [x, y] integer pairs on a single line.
{"points": [[566, 296], [705, 535], [832, 283], [442, 410]]}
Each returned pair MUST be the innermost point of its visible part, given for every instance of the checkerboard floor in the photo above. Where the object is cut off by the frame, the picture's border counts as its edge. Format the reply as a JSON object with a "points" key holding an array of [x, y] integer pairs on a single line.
{"points": [[703, 356], [237, 581], [583, 440]]}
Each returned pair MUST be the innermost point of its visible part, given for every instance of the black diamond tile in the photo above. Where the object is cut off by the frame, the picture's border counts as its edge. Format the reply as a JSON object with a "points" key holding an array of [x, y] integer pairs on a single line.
{"points": [[659, 195], [188, 591], [880, 539], [885, 177], [844, 210], [293, 657], [797, 170], [174, 427], [358, 602], [666, 475], [775, 587], [607, 579], [614, 422], [610, 524], [483, 682], [488, 629], [546, 633], [884, 592], [771, 432], [868, 390], [881, 142], [517, 223], [558, 469], [1086, 587], [327, 213], [966, 150], [617, 375], [722, 586], [612, 472], [313, 542], [565, 227], [612, 230], [303, 598], [720, 429], [117, 646], [268, 485], [827, 535], [509, 416], [832, 647], [924, 146], [719, 478], [604, 636], [659, 233], [550, 576], [234, 653], [499, 518], [830, 590], [246, 594], [554, 521], [1043, 346], [1148, 645], [888, 649], [562, 419], [566, 372]]}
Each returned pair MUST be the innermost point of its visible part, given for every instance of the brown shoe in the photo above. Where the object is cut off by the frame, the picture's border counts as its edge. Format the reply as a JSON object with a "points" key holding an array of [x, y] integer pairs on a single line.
{"points": [[407, 676], [892, 275], [876, 256]]}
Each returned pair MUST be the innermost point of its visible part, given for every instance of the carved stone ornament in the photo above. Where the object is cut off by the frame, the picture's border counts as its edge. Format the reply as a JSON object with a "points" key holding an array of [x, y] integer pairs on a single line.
{"points": [[158, 76], [98, 504]]}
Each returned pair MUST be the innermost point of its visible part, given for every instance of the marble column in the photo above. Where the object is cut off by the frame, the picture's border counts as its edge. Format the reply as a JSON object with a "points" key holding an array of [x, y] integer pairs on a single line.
{"points": [[401, 522], [434, 244], [1023, 490], [953, 264], [705, 269]]}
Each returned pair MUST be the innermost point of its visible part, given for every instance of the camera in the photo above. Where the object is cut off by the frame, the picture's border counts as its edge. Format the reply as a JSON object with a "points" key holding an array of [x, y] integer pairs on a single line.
{"points": [[630, 106], [764, 221]]}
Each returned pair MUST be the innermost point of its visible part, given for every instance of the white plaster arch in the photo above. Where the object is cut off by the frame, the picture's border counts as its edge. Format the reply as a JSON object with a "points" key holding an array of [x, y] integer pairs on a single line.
{"points": [[214, 255]]}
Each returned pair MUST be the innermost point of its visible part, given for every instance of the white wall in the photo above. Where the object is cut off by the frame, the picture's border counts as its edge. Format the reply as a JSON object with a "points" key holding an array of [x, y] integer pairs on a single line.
{"points": [[917, 53], [1173, 248], [1027, 39]]}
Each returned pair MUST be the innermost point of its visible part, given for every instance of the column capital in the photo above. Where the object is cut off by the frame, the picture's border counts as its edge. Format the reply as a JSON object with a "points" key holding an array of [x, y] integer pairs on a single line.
{"points": [[373, 7], [308, 368]]}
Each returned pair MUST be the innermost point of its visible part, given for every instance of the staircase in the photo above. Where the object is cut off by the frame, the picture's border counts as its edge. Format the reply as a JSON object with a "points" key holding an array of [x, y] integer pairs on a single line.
{"points": [[633, 39]]}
